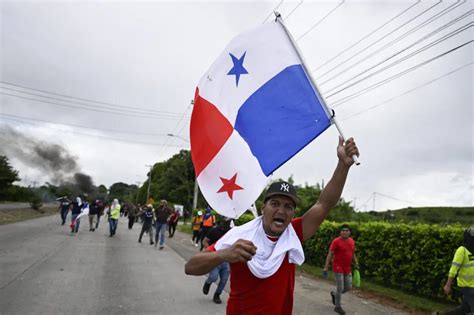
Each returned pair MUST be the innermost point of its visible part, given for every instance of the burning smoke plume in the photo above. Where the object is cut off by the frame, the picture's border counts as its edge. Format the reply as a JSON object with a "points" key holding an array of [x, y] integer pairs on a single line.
{"points": [[52, 159]]}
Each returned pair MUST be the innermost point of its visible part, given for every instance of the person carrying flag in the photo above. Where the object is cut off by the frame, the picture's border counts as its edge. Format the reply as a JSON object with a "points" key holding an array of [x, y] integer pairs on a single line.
{"points": [[263, 252]]}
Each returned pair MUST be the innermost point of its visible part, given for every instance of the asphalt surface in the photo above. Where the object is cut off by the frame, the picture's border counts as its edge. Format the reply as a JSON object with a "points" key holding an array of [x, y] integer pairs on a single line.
{"points": [[44, 269]]}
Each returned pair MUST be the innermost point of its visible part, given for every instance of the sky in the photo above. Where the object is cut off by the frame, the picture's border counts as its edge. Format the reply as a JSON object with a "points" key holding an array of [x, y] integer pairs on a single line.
{"points": [[107, 81]]}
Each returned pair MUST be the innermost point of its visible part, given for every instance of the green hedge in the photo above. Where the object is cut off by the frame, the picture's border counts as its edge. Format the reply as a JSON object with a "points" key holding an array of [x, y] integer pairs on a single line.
{"points": [[414, 258]]}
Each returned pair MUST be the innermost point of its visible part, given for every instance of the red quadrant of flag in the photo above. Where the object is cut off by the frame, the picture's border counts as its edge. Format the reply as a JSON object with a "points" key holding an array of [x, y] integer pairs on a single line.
{"points": [[209, 132]]}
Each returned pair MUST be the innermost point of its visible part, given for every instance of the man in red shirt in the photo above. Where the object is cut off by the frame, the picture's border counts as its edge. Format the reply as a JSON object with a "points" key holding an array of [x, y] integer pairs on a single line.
{"points": [[342, 254], [263, 252]]}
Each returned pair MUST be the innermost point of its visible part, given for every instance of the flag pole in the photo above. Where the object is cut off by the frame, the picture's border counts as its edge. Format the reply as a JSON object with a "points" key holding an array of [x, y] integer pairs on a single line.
{"points": [[329, 112]]}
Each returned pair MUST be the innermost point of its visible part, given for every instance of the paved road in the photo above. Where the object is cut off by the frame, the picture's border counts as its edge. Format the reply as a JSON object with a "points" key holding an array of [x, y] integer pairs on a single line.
{"points": [[46, 270]]}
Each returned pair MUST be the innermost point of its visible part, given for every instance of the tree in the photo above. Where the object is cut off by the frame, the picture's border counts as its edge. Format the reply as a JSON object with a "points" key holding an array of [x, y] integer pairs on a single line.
{"points": [[8, 175]]}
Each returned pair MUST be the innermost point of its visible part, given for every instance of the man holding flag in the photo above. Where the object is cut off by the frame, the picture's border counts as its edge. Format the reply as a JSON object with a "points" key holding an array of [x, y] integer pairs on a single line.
{"points": [[263, 253], [254, 109]]}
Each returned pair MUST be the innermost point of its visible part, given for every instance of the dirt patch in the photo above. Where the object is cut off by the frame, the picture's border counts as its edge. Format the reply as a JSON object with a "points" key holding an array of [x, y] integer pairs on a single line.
{"points": [[15, 215]]}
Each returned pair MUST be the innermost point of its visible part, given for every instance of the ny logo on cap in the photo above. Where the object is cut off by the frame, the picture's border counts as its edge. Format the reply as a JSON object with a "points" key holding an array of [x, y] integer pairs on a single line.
{"points": [[285, 187]]}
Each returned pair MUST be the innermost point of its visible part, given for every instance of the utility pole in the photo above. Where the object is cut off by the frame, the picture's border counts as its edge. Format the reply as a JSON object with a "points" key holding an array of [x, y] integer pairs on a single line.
{"points": [[354, 206], [138, 188], [149, 181], [373, 203]]}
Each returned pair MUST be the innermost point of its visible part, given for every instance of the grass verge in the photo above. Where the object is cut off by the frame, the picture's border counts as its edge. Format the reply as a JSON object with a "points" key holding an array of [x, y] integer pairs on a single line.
{"points": [[17, 215], [389, 296]]}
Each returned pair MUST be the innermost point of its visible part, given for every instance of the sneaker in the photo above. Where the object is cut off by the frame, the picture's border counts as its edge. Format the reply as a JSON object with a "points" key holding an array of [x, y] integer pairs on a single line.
{"points": [[139, 241], [156, 244], [333, 298], [217, 299], [205, 288], [195, 245], [161, 247], [339, 310], [151, 243]]}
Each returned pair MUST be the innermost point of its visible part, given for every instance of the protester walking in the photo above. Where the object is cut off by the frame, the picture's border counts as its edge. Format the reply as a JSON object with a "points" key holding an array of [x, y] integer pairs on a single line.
{"points": [[196, 224], [75, 212], [64, 206], [222, 271], [162, 213], [463, 267], [172, 223], [147, 226], [263, 252], [208, 222], [101, 210], [114, 217], [132, 212], [93, 211], [342, 255]]}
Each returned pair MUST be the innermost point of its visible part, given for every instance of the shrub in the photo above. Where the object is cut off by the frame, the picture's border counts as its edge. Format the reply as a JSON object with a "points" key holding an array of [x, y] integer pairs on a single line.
{"points": [[414, 258]]}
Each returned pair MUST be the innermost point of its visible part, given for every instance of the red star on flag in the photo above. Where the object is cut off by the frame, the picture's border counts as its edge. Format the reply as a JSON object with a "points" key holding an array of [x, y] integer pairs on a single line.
{"points": [[229, 186]]}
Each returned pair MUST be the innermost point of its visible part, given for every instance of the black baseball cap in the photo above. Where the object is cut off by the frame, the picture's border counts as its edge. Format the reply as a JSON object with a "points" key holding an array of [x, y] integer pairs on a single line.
{"points": [[282, 188]]}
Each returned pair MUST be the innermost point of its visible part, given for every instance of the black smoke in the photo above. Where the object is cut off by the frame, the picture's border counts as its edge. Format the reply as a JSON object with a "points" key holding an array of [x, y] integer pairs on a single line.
{"points": [[53, 160]]}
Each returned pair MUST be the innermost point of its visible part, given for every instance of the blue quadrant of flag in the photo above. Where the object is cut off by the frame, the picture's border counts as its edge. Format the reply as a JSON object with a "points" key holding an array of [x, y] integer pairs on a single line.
{"points": [[281, 118]]}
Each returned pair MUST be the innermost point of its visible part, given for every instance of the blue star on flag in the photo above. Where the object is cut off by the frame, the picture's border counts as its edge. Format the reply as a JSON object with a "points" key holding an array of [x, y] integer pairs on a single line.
{"points": [[238, 68]]}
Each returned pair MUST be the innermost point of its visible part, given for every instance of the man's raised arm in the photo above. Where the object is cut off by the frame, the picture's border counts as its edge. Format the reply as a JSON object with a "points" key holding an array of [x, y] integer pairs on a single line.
{"points": [[330, 195]]}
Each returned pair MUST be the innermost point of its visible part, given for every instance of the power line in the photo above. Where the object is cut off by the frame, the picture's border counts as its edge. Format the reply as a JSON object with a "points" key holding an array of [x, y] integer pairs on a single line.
{"points": [[397, 199], [378, 40], [84, 108], [85, 127], [128, 111], [320, 21], [294, 9], [90, 135], [396, 62], [84, 99], [368, 35], [409, 91], [396, 76], [276, 8], [416, 28]]}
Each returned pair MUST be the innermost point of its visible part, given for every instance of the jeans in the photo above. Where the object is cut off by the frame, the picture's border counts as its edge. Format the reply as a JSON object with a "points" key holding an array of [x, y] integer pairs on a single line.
{"points": [[64, 216], [222, 271], [160, 231], [343, 285], [113, 225]]}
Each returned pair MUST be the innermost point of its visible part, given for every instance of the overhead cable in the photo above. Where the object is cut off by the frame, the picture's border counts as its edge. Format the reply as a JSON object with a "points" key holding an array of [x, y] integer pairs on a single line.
{"points": [[115, 106], [86, 105], [396, 76], [320, 21], [88, 109], [95, 136], [407, 92], [320, 76], [84, 127], [396, 62], [271, 13], [416, 28], [294, 9], [368, 35]]}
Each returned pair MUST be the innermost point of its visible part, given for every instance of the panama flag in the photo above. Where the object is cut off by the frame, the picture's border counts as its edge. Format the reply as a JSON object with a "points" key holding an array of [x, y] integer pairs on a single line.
{"points": [[254, 109]]}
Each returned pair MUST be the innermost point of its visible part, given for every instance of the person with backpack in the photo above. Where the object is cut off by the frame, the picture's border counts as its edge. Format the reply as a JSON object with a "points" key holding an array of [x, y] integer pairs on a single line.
{"points": [[208, 222], [147, 217]]}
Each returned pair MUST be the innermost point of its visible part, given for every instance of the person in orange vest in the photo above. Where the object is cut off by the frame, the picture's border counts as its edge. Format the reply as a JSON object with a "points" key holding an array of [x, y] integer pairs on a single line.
{"points": [[208, 222], [197, 220]]}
